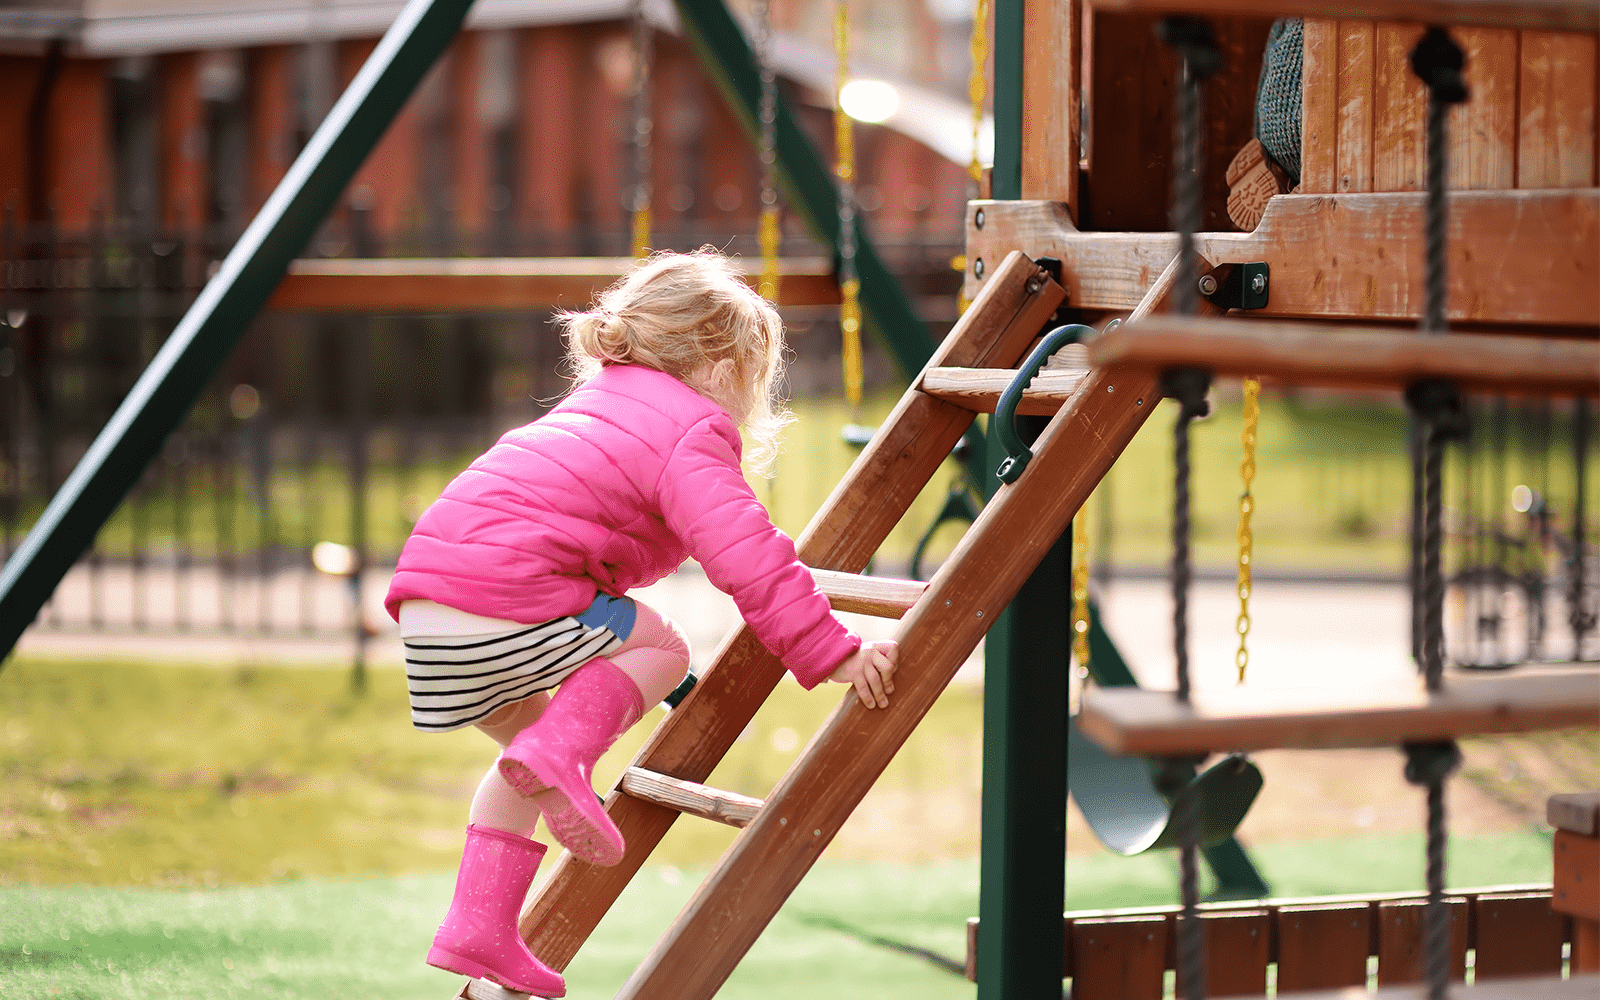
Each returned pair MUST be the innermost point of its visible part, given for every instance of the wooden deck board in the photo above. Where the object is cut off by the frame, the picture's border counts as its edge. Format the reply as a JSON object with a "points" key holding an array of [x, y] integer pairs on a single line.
{"points": [[1146, 723]]}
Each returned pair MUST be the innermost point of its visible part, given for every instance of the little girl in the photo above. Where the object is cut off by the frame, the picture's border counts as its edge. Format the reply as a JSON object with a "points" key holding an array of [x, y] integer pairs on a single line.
{"points": [[515, 580]]}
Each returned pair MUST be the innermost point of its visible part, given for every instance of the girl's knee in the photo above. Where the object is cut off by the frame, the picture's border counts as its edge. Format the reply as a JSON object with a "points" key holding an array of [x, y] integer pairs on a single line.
{"points": [[654, 631]]}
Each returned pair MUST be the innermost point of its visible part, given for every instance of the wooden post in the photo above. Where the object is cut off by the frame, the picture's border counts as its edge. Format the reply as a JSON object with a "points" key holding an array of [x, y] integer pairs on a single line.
{"points": [[1576, 878], [1052, 58]]}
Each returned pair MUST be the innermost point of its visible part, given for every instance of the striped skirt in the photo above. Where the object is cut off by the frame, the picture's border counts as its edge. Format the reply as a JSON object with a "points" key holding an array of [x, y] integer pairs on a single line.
{"points": [[458, 680]]}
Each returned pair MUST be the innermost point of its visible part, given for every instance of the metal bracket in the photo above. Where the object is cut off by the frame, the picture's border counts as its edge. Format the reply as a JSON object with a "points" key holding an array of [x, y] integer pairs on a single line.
{"points": [[1238, 286]]}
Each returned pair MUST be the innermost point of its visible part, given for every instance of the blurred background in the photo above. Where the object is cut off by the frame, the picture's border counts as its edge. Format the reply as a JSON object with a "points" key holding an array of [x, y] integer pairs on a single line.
{"points": [[187, 810]]}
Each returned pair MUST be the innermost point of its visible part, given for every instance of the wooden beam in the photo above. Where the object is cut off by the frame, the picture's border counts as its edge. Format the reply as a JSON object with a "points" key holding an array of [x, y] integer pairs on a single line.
{"points": [[1514, 256], [690, 797], [1052, 46], [1542, 988], [492, 284], [891, 471], [1315, 354], [869, 595], [979, 389], [1136, 722], [1578, 812], [1549, 15]]}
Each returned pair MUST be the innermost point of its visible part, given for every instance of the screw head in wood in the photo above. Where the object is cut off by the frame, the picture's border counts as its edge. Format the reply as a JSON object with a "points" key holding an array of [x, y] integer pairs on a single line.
{"points": [[977, 219], [977, 268]]}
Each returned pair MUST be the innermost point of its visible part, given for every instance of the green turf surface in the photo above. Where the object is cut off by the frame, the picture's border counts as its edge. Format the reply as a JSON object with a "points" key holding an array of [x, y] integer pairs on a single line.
{"points": [[850, 931]]}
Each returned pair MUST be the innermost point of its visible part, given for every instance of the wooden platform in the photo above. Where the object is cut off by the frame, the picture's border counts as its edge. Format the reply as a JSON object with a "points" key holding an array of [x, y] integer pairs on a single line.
{"points": [[493, 284], [1545, 15], [1143, 723], [1541, 988], [1322, 354]]}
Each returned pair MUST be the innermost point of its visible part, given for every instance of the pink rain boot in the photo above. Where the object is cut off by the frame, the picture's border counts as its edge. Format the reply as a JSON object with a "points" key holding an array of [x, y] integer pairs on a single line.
{"points": [[557, 754], [479, 936]]}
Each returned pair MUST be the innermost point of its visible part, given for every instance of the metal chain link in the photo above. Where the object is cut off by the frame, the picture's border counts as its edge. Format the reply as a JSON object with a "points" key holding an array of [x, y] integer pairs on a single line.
{"points": [[977, 85], [849, 283], [1247, 506], [770, 232], [643, 56], [1080, 589]]}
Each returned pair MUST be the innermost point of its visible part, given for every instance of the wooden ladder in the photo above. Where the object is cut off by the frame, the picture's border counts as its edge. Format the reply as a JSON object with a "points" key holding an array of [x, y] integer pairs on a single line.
{"points": [[1099, 412]]}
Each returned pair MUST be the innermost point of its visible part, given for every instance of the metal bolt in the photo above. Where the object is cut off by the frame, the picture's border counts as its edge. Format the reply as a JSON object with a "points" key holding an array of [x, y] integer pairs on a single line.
{"points": [[947, 604], [816, 833], [1111, 388], [977, 219], [783, 822], [977, 268], [1033, 285], [1258, 284], [1208, 284], [980, 614]]}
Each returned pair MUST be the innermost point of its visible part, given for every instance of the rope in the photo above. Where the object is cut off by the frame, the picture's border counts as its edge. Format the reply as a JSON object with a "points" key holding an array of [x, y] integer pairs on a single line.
{"points": [[1437, 61], [643, 56], [1247, 506], [1581, 620], [770, 232], [849, 284]]}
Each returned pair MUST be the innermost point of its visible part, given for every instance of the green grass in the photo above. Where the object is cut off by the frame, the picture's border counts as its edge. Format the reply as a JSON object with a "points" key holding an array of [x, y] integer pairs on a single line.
{"points": [[321, 938]]}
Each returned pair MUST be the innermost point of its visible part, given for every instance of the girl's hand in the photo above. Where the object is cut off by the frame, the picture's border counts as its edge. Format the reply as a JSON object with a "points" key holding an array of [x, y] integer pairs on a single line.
{"points": [[871, 670]]}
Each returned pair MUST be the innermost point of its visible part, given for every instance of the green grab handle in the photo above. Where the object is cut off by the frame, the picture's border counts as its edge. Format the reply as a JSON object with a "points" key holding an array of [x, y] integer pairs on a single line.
{"points": [[1018, 454]]}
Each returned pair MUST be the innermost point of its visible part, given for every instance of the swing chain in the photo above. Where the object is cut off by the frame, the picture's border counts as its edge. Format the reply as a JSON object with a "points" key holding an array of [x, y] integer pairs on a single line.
{"points": [[1080, 589], [770, 233], [977, 84], [1247, 506], [643, 56], [849, 283]]}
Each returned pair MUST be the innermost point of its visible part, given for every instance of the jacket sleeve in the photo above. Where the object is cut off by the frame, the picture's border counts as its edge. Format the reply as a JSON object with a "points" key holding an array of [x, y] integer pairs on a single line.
{"points": [[707, 503]]}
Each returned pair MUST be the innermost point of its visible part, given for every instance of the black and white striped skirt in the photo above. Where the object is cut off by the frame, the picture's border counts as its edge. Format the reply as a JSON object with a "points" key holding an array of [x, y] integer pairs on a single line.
{"points": [[458, 680]]}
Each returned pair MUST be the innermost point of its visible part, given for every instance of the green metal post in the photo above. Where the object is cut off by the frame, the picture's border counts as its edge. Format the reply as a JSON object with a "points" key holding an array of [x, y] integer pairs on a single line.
{"points": [[1022, 873], [224, 310], [809, 190]]}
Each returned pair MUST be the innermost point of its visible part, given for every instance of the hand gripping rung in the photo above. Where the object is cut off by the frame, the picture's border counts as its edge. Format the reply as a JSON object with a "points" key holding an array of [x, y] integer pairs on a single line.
{"points": [[690, 797]]}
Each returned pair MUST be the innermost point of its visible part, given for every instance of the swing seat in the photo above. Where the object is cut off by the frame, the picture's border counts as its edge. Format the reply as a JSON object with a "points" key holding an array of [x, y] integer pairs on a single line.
{"points": [[1118, 797]]}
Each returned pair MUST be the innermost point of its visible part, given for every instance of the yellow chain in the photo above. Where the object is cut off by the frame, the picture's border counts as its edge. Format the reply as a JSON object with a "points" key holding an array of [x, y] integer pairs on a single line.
{"points": [[1080, 588], [1247, 504], [641, 232], [770, 235], [976, 84], [844, 138]]}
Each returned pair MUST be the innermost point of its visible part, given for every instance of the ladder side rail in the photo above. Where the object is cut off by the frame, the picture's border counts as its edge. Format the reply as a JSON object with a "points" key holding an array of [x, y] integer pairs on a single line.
{"points": [[908, 448], [818, 794]]}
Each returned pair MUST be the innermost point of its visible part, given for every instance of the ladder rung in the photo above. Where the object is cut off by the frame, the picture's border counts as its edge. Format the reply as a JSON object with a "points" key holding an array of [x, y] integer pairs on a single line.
{"points": [[869, 595], [690, 797], [1144, 723], [979, 389], [1327, 355]]}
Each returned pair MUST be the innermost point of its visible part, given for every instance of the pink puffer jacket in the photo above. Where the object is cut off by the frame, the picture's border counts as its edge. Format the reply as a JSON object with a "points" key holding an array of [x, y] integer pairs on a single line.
{"points": [[613, 489]]}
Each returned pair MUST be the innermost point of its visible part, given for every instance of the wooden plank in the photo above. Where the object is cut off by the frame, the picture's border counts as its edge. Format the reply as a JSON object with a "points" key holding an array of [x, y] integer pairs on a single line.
{"points": [[1516, 935], [1146, 723], [1121, 958], [1052, 52], [869, 501], [1319, 106], [1544, 988], [980, 389], [1577, 875], [869, 595], [1578, 812], [1483, 131], [1550, 15], [1321, 355], [1322, 946], [1556, 111], [1585, 945], [1401, 958], [1399, 146], [490, 284], [1357, 75], [690, 797], [848, 754], [1238, 948], [1514, 256]]}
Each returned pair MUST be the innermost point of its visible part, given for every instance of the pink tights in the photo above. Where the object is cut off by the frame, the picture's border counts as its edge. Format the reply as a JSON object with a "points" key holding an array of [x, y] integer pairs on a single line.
{"points": [[655, 656]]}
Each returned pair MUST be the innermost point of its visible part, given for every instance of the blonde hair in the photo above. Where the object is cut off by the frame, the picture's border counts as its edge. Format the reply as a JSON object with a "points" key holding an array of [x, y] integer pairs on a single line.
{"points": [[677, 312]]}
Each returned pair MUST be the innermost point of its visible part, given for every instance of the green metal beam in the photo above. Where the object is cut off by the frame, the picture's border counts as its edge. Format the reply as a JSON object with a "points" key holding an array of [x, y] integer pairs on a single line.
{"points": [[219, 317], [809, 191], [1006, 179]]}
